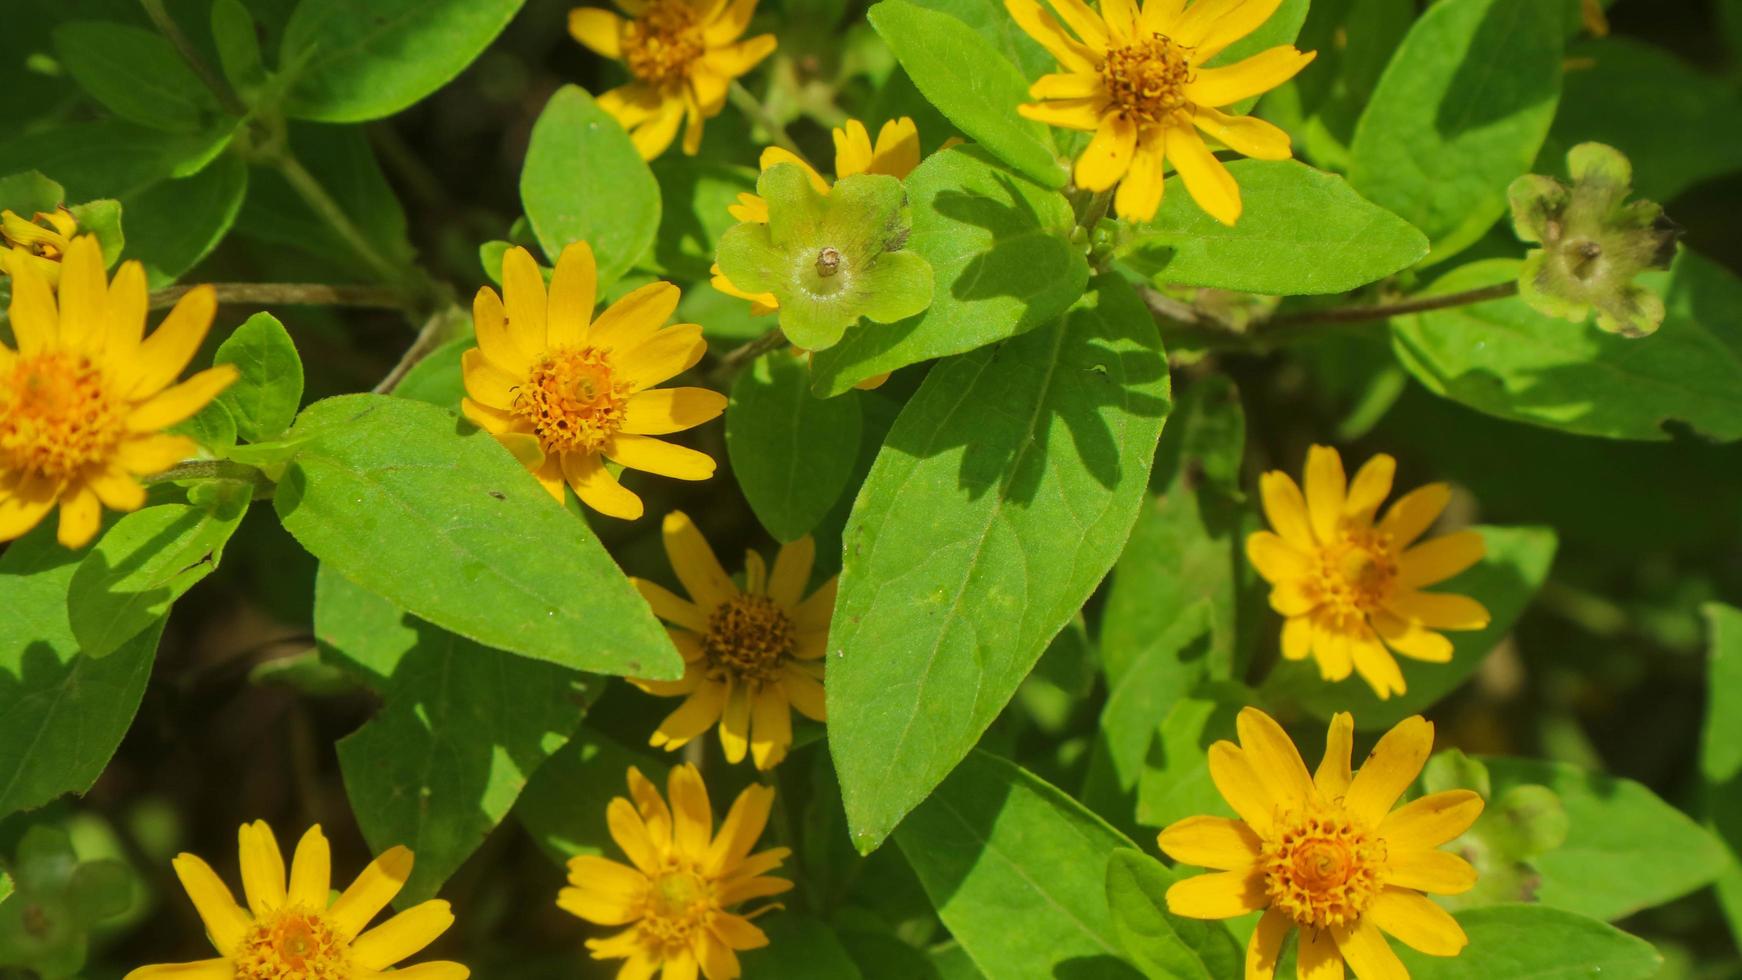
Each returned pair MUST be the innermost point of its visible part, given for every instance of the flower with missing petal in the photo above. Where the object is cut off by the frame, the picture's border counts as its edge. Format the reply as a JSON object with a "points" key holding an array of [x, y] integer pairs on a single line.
{"points": [[42, 240], [895, 154], [1325, 852], [1350, 586], [565, 391], [85, 397], [751, 655], [682, 54], [682, 878], [293, 929], [1136, 77]]}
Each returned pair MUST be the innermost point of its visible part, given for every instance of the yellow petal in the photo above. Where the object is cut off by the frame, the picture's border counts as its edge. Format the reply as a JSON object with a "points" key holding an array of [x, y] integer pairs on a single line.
{"points": [[1418, 922], [755, 574], [1415, 512], [1431, 820], [150, 454], [1332, 778], [653, 135], [1372, 484], [403, 936], [311, 871], [1319, 956], [1331, 650], [35, 318], [1081, 114], [1275, 558], [1121, 17], [117, 489], [729, 23], [81, 516], [630, 832], [1375, 664], [371, 891], [774, 156], [600, 907], [662, 410], [1265, 947], [84, 296], [654, 813], [173, 344], [661, 458], [695, 563], [433, 970], [1066, 85], [183, 401], [792, 571], [262, 868], [852, 149], [573, 291], [597, 488], [1084, 21], [1139, 195], [805, 693], [668, 354], [1207, 181], [735, 723], [1293, 597], [1246, 135], [696, 715], [740, 830], [1208, 26], [1239, 785], [1297, 637], [737, 932], [692, 816], [490, 323], [1211, 842], [1286, 509], [1432, 562], [1411, 640], [492, 420], [632, 104], [733, 60], [1439, 611], [524, 298], [486, 383], [1326, 490], [1222, 895], [1274, 759], [23, 506], [1438, 872], [634, 320], [218, 969], [770, 726], [744, 889], [1389, 769], [1108, 154], [128, 303], [671, 608], [897, 152], [600, 30], [1040, 24], [225, 921], [1367, 952], [815, 612], [1245, 79]]}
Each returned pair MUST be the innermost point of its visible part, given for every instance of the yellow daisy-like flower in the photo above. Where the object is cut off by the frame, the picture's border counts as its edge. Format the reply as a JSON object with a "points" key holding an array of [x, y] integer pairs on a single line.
{"points": [[1135, 77], [84, 398], [564, 391], [42, 240], [683, 55], [1351, 588], [751, 655], [1326, 852], [895, 154], [684, 878], [294, 930]]}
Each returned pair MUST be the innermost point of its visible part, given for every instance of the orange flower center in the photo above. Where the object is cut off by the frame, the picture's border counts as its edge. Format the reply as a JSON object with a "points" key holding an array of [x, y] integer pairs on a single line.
{"points": [[749, 637], [57, 416], [1148, 79], [660, 45], [293, 944], [1322, 868], [678, 903], [572, 401], [1355, 575]]}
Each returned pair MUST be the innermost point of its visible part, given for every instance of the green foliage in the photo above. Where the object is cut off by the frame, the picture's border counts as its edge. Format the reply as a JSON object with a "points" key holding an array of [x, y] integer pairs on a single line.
{"points": [[1530, 942], [1514, 829], [1001, 497], [584, 181], [1302, 232], [237, 37], [1000, 258], [792, 453], [970, 83], [135, 74], [420, 508], [1159, 943], [1503, 358], [1461, 110], [264, 398]]}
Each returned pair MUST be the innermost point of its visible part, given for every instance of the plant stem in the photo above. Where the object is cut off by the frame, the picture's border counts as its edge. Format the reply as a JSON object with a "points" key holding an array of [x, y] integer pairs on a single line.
{"points": [[441, 327], [736, 359], [1385, 311], [167, 26], [290, 294], [316, 196], [1207, 329], [208, 469], [751, 106]]}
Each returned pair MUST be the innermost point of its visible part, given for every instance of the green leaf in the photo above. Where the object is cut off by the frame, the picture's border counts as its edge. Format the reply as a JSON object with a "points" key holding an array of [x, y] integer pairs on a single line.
{"points": [[1461, 110], [563, 807], [791, 452], [103, 219], [263, 400], [174, 224], [1175, 782], [799, 948], [993, 22], [1000, 499], [28, 193], [585, 181], [1302, 232], [1516, 565], [463, 728], [1721, 748], [61, 714], [1162, 944], [238, 40], [1626, 849], [135, 74], [214, 428], [694, 197], [344, 163], [1646, 101], [1503, 358], [424, 510], [144, 563], [438, 379], [1001, 261], [1530, 942], [971, 83], [354, 62], [1006, 858]]}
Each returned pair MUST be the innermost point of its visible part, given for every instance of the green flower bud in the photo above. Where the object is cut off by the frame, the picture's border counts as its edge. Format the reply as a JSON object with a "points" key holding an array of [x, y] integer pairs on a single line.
{"points": [[830, 258], [1594, 243]]}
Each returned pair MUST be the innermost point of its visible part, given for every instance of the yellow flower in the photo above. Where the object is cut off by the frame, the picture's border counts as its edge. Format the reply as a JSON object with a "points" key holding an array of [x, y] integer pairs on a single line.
{"points": [[564, 392], [683, 55], [1135, 77], [1350, 587], [674, 899], [42, 241], [295, 930], [84, 398], [750, 655], [1326, 852], [895, 154]]}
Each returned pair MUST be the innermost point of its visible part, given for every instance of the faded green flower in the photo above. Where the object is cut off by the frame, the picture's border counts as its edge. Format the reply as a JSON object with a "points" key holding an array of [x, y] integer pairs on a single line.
{"points": [[45, 924], [1594, 243], [829, 256], [1516, 828]]}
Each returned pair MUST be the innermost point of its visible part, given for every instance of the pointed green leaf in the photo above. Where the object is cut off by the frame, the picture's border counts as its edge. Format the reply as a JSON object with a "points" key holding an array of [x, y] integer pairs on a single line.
{"points": [[264, 398], [1165, 945], [791, 452], [238, 40], [135, 74]]}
